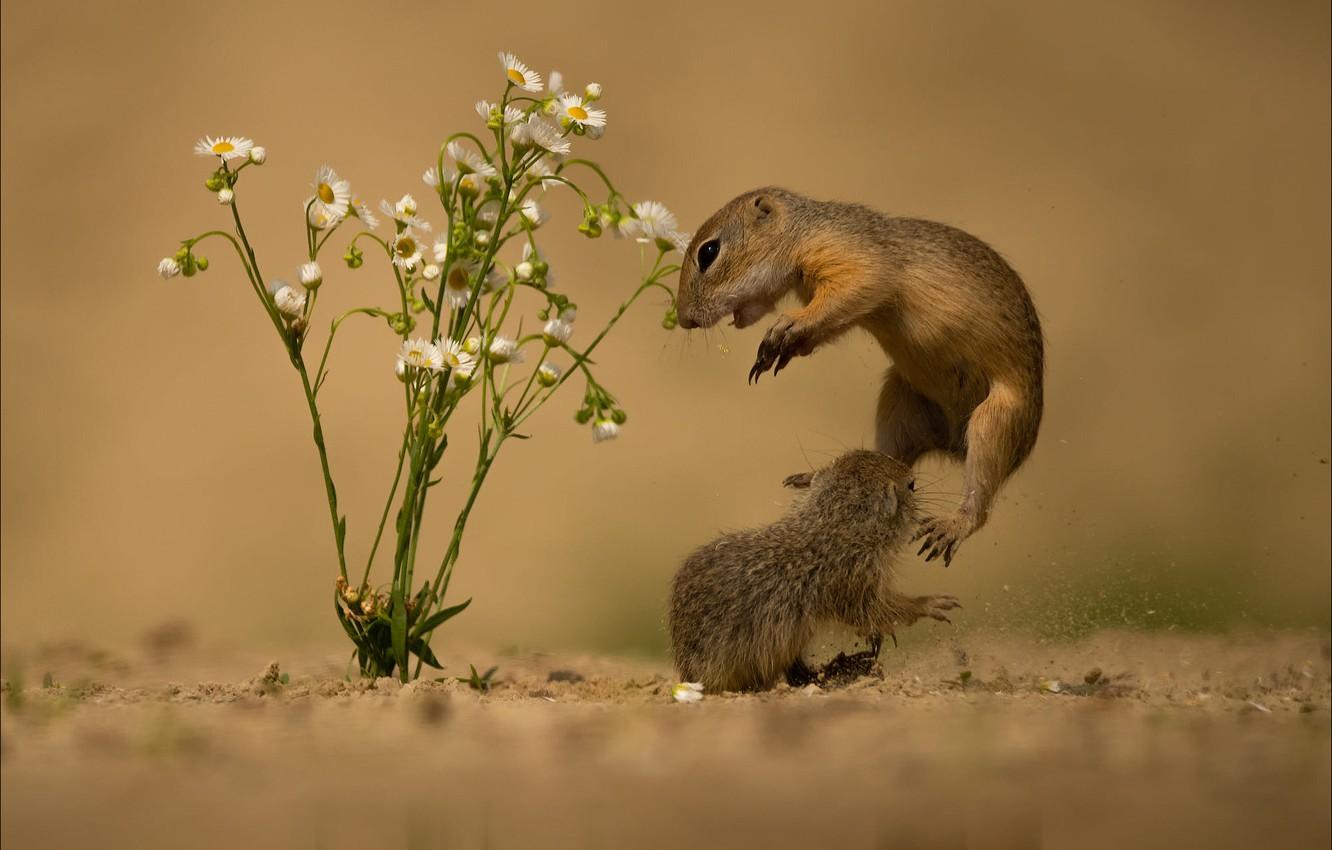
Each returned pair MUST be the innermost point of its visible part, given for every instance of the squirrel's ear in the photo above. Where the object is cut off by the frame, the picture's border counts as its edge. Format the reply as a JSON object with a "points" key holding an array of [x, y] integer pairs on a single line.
{"points": [[762, 207]]}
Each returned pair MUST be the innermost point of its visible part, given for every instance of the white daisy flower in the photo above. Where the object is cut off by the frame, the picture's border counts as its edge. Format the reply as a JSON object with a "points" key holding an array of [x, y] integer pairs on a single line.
{"points": [[225, 196], [225, 148], [651, 220], [469, 161], [404, 213], [168, 268], [311, 275], [332, 194], [322, 219], [687, 691], [548, 374], [362, 211], [471, 184], [431, 177], [455, 358], [555, 85], [458, 286], [430, 272], [502, 349], [679, 240], [441, 248], [289, 301], [519, 74], [258, 155], [537, 131], [557, 332], [406, 250], [603, 430], [486, 213], [531, 211], [488, 110], [400, 370], [421, 354], [573, 110]]}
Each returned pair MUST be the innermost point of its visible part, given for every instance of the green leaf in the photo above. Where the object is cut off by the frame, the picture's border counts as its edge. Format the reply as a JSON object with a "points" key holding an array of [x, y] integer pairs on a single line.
{"points": [[437, 619], [422, 651]]}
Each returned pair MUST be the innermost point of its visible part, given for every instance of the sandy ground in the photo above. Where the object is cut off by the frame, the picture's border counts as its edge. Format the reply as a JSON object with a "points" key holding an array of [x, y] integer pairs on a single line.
{"points": [[1180, 741]]}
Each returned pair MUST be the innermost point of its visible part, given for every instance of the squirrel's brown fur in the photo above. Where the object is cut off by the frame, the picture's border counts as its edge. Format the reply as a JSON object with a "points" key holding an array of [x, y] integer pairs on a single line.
{"points": [[957, 322], [744, 606]]}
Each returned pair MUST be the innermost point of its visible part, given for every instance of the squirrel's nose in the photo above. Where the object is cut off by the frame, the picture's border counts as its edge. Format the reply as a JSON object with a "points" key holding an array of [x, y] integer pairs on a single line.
{"points": [[687, 323]]}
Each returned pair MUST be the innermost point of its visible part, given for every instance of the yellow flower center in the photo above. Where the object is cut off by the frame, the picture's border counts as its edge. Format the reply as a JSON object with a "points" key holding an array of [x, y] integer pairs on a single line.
{"points": [[578, 113], [457, 279], [516, 76], [406, 246], [325, 193], [223, 147]]}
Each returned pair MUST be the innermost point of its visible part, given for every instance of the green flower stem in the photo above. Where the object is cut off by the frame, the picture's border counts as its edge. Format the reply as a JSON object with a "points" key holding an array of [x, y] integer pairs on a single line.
{"points": [[323, 361], [485, 460], [597, 168], [388, 504], [580, 360], [294, 350]]}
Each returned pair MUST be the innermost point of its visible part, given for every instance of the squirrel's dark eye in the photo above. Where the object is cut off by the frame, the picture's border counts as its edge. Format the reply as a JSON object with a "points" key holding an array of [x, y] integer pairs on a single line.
{"points": [[707, 252], [911, 485]]}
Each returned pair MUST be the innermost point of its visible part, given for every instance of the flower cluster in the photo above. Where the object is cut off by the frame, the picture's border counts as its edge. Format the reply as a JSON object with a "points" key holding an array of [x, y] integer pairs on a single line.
{"points": [[473, 306]]}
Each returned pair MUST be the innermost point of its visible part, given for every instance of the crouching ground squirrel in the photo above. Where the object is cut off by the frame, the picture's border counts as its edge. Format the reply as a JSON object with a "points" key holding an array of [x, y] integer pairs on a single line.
{"points": [[745, 605], [965, 342]]}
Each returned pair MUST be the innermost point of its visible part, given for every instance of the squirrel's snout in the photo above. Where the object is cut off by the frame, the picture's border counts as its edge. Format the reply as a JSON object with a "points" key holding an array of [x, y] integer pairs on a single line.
{"points": [[687, 323]]}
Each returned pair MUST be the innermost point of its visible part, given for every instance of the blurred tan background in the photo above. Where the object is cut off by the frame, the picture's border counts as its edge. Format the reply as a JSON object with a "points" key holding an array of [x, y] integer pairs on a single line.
{"points": [[1158, 173]]}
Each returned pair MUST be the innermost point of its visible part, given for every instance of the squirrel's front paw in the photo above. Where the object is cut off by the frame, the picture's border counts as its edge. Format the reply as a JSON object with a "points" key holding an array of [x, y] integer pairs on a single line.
{"points": [[784, 340], [942, 536]]}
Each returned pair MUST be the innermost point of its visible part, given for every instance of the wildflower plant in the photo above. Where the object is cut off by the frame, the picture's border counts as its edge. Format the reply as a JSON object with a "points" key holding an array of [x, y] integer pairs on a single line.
{"points": [[458, 301]]}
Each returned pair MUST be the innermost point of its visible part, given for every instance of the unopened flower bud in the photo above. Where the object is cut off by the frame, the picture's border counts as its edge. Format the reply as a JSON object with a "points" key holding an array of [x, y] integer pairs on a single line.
{"points": [[594, 132], [289, 301], [258, 155], [202, 263], [430, 272], [556, 332], [225, 196], [583, 416], [482, 238], [548, 375], [619, 417], [604, 429], [592, 91], [215, 183], [311, 275], [168, 268], [523, 271]]}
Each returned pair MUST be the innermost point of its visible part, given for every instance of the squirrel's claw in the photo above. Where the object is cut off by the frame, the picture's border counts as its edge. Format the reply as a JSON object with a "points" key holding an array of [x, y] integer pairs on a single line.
{"points": [[798, 481], [782, 342], [940, 537]]}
